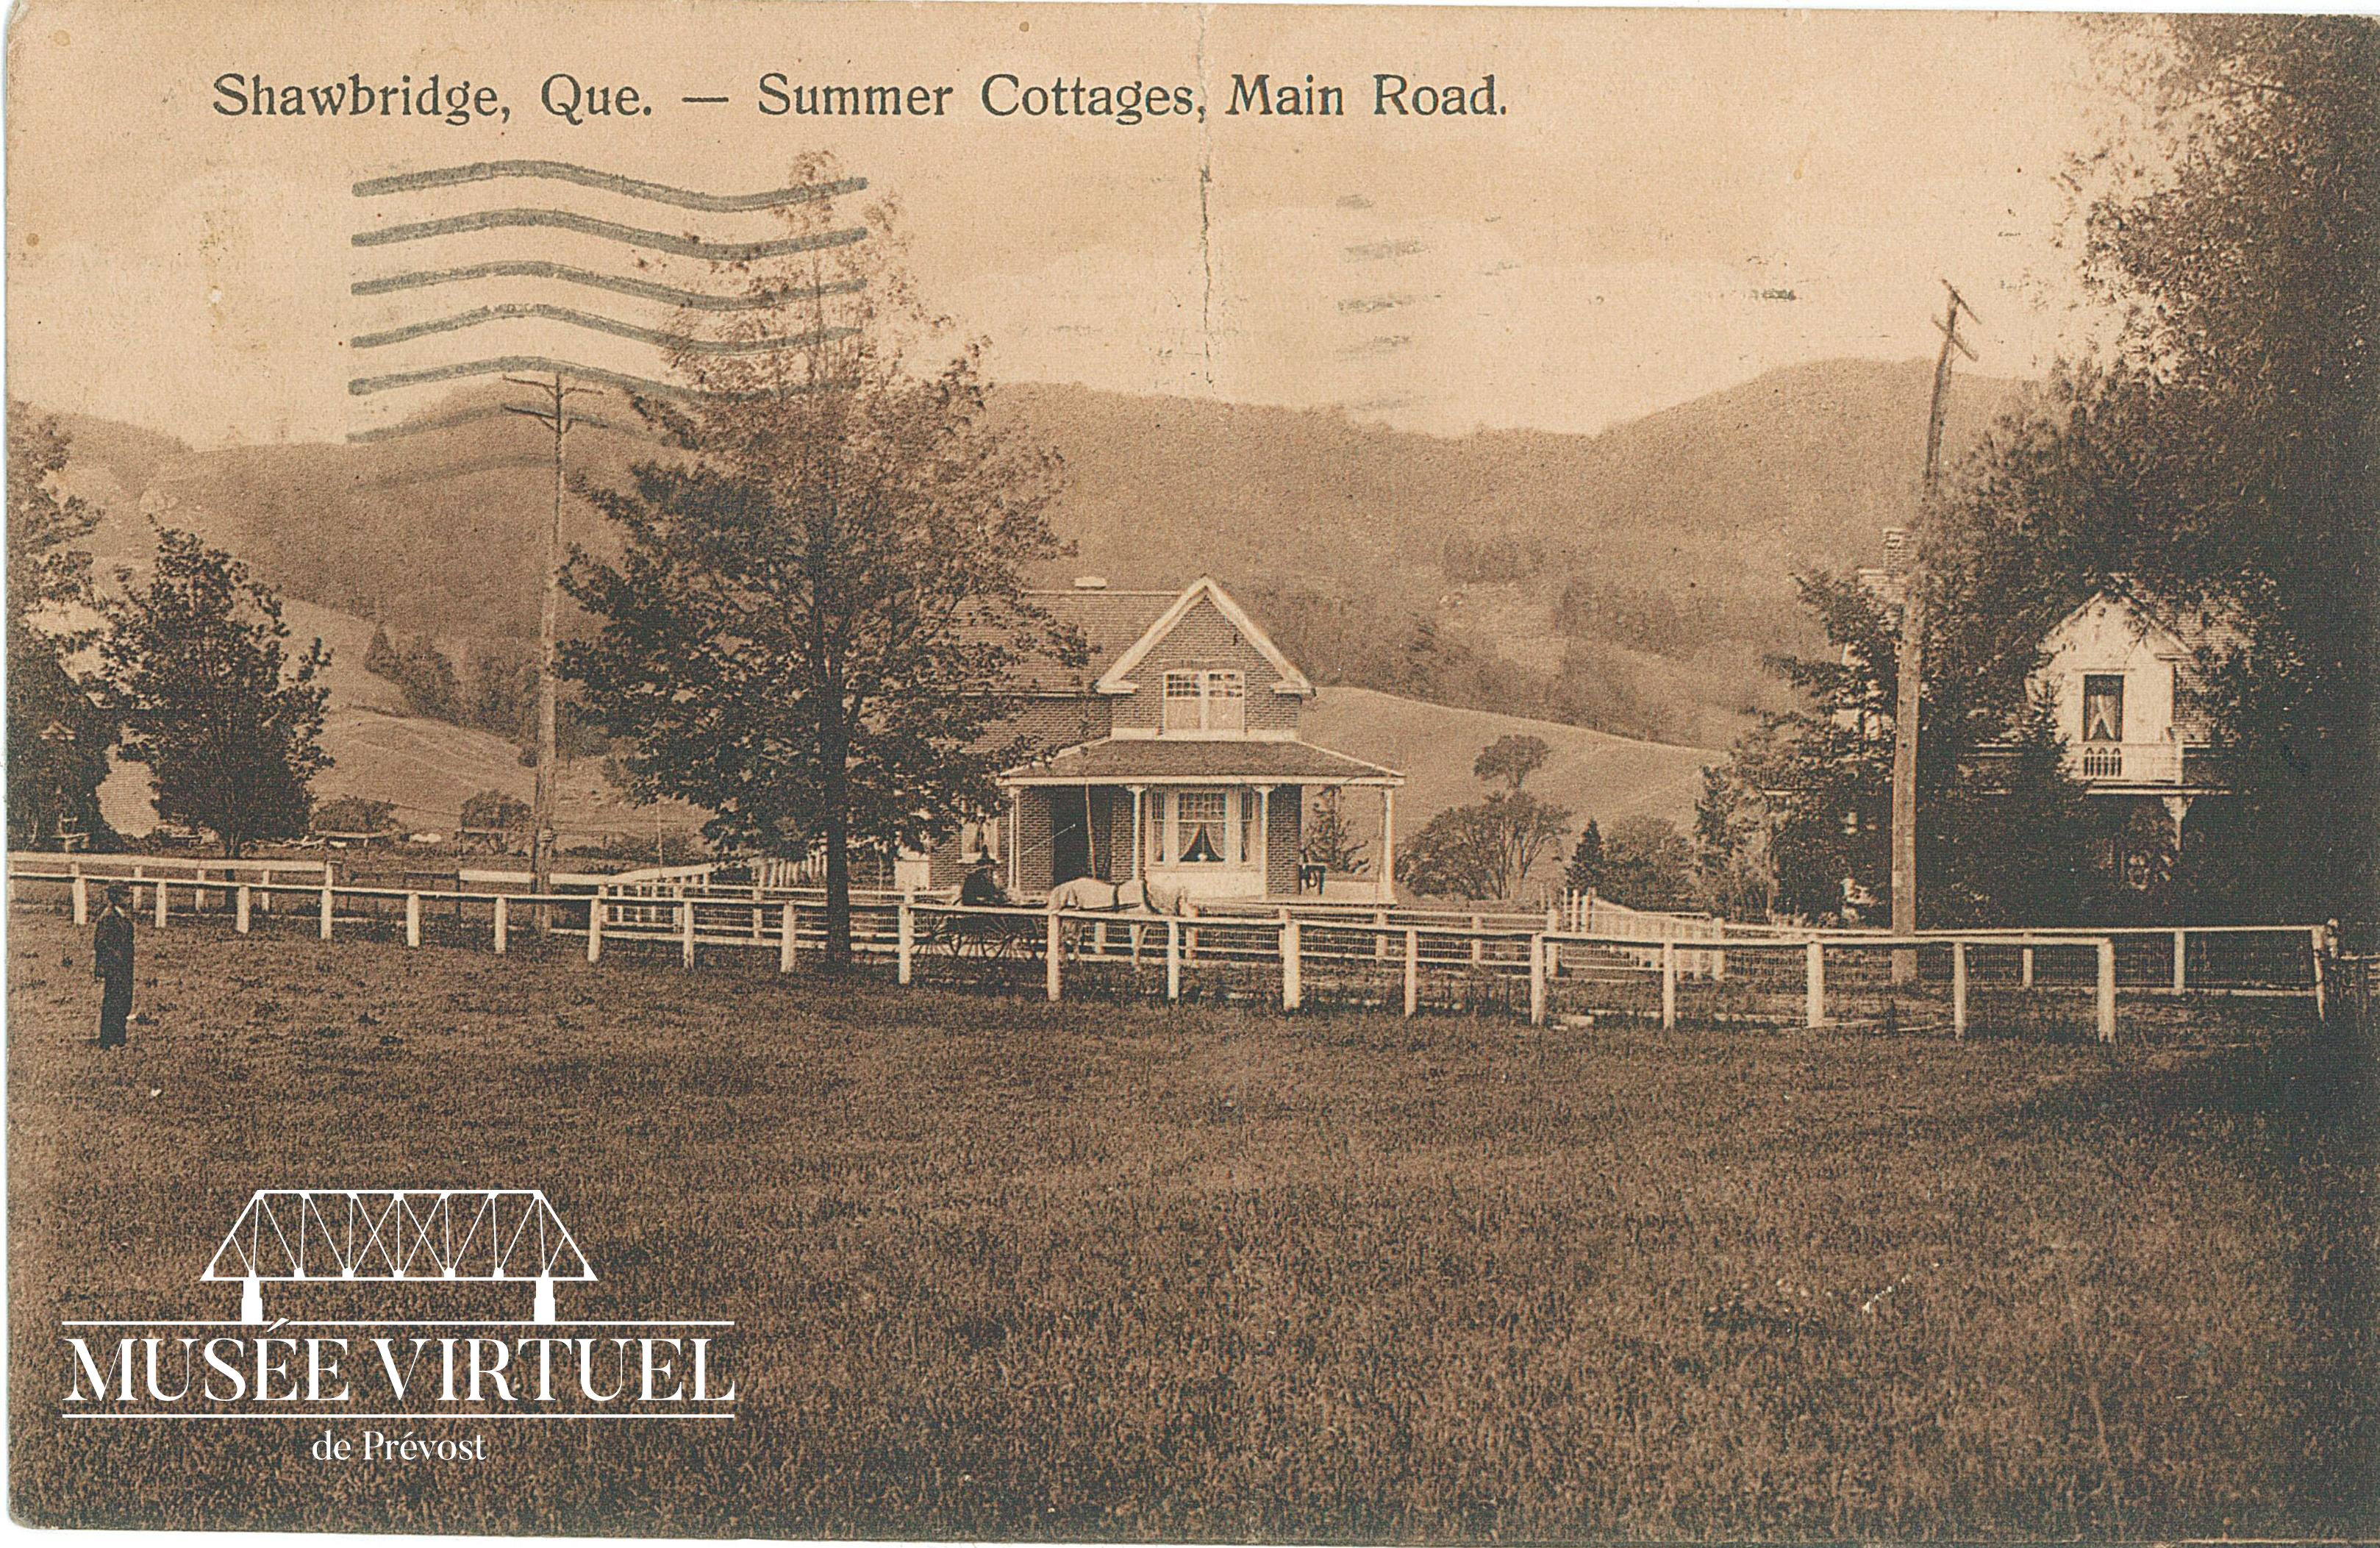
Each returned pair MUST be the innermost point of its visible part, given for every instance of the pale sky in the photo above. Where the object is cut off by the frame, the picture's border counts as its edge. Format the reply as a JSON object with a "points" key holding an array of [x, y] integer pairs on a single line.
{"points": [[1622, 236]]}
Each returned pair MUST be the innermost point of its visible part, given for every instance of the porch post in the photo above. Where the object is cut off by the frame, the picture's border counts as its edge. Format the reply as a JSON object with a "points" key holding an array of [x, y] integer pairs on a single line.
{"points": [[1264, 841], [1015, 837], [1139, 831], [1388, 844]]}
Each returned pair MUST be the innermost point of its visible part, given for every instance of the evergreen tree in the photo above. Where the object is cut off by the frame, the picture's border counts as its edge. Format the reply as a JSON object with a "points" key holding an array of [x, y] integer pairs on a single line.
{"points": [[1329, 840], [1585, 873]]}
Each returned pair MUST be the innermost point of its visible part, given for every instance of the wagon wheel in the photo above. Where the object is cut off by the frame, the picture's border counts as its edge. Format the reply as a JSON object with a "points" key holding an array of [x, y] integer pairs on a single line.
{"points": [[972, 937]]}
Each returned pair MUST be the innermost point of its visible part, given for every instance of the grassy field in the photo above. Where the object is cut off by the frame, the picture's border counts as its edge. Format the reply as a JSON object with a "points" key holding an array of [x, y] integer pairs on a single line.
{"points": [[1009, 1269], [1593, 772]]}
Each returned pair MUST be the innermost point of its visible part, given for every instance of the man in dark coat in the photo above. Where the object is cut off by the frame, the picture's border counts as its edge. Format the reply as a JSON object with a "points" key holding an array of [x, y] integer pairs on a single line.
{"points": [[111, 963], [981, 888]]}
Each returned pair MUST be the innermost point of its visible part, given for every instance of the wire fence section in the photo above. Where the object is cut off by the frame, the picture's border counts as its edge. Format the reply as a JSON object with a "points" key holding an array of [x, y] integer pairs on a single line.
{"points": [[2027, 983]]}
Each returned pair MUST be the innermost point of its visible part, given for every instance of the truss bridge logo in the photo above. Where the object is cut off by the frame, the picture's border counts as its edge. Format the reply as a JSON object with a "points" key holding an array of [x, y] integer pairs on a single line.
{"points": [[408, 1251]]}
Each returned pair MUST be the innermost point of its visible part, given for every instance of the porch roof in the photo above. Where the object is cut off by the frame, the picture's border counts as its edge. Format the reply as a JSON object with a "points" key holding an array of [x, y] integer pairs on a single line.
{"points": [[1189, 761]]}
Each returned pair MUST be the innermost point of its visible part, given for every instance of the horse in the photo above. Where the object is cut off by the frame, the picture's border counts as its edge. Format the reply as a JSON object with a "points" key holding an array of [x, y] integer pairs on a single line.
{"points": [[1090, 895]]}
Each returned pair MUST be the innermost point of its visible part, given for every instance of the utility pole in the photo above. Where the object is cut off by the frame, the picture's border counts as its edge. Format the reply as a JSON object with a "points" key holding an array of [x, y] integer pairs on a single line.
{"points": [[1911, 669], [556, 418]]}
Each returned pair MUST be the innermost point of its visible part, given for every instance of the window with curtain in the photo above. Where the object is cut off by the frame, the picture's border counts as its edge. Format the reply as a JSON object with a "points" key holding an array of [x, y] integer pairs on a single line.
{"points": [[1201, 832], [2103, 707]]}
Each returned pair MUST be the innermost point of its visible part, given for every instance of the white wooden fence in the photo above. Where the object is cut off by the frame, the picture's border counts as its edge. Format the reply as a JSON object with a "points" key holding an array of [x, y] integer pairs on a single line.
{"points": [[1289, 956]]}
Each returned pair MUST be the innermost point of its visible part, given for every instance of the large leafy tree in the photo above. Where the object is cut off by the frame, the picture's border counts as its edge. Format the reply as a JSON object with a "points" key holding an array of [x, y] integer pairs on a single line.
{"points": [[2220, 456], [2252, 242], [1647, 864], [229, 725], [59, 727], [1489, 848], [815, 623], [2218, 459], [1485, 850], [1510, 760]]}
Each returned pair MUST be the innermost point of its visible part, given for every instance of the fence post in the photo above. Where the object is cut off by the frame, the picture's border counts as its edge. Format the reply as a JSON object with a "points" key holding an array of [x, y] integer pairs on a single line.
{"points": [[240, 909], [1381, 937], [1669, 984], [1293, 987], [2027, 981], [2107, 990], [785, 938], [413, 918], [1958, 989], [500, 922], [686, 932], [1813, 993], [1413, 970], [327, 905], [2180, 960], [908, 930], [1537, 981], [160, 903], [1174, 960], [81, 898], [1054, 953], [595, 926], [2321, 998], [1479, 942]]}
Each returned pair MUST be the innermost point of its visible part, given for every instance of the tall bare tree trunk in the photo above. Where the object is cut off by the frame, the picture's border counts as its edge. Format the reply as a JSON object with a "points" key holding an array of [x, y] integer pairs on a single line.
{"points": [[835, 786]]}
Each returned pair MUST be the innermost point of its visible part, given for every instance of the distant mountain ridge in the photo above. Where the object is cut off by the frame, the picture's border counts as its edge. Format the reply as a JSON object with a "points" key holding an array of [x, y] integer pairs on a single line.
{"points": [[1705, 511]]}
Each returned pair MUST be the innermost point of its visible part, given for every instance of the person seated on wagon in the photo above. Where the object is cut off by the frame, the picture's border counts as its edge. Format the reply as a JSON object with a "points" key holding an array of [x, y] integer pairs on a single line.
{"points": [[981, 888]]}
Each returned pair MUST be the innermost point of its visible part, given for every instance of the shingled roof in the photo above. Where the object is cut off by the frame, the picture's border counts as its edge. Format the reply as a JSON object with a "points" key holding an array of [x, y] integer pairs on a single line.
{"points": [[1110, 622], [1176, 759]]}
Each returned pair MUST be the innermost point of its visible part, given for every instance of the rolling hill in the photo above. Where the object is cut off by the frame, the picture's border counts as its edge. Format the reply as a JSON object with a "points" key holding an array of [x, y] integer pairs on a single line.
{"points": [[1702, 512]]}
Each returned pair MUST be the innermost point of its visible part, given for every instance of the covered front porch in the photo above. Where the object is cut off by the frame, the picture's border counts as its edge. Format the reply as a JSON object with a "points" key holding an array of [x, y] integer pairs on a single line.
{"points": [[1220, 819]]}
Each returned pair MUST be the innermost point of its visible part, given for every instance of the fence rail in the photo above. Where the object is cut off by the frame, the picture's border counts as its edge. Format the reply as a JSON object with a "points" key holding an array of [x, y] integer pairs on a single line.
{"points": [[2046, 980]]}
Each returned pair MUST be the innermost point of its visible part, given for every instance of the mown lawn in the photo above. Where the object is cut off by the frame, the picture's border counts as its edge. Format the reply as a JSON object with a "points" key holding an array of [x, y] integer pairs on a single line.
{"points": [[1009, 1269]]}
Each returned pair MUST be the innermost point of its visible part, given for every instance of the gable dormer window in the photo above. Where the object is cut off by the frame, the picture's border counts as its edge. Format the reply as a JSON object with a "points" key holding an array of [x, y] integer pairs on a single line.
{"points": [[1205, 701]]}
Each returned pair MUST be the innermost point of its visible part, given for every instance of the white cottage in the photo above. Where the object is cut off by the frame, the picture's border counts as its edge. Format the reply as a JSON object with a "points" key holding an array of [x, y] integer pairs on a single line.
{"points": [[2123, 674]]}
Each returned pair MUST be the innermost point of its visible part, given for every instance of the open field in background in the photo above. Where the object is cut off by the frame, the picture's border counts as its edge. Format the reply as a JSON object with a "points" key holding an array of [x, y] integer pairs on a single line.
{"points": [[431, 768], [1593, 772], [428, 767], [1010, 1269]]}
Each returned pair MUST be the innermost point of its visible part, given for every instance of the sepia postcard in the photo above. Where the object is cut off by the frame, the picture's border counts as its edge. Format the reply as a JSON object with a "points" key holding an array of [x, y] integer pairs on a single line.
{"points": [[1192, 773]]}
